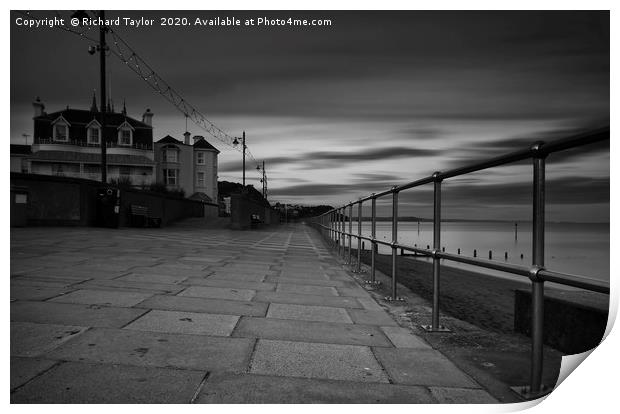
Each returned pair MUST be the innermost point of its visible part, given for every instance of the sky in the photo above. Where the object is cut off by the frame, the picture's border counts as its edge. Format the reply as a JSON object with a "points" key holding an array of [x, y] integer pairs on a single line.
{"points": [[374, 100]]}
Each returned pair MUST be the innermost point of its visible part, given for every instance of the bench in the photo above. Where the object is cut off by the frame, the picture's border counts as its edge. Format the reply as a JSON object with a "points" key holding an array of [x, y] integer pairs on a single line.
{"points": [[141, 217]]}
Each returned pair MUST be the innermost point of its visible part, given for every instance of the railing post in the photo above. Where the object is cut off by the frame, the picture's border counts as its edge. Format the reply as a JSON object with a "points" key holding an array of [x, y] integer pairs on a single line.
{"points": [[538, 262], [350, 230], [359, 237], [373, 241], [394, 242], [434, 326], [342, 237]]}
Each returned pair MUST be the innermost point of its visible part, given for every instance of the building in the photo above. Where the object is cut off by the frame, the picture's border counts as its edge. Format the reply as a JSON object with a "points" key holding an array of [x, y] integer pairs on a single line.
{"points": [[188, 167], [19, 158], [68, 143]]}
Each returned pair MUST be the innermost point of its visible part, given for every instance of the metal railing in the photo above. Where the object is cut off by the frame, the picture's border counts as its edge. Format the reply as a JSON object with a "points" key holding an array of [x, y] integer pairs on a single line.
{"points": [[332, 225]]}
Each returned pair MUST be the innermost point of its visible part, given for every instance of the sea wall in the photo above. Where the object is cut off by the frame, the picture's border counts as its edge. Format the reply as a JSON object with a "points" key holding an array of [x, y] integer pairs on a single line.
{"points": [[68, 201]]}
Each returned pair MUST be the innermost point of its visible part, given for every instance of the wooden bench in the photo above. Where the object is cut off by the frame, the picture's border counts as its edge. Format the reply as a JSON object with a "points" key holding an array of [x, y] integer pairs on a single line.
{"points": [[141, 217]]}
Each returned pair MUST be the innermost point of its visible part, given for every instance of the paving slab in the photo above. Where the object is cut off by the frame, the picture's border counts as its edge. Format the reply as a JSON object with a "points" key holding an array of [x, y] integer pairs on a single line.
{"points": [[306, 289], [103, 297], [304, 275], [73, 314], [445, 395], [152, 278], [308, 313], [247, 277], [185, 323], [36, 292], [422, 367], [227, 388], [314, 360], [235, 284], [24, 369], [403, 338], [82, 383], [129, 286], [369, 304], [217, 306], [309, 331], [33, 339], [155, 349], [297, 299], [371, 317], [356, 292], [302, 281], [218, 293]]}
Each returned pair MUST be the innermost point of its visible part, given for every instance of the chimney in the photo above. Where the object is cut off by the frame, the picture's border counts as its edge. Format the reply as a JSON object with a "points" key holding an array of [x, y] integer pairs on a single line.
{"points": [[198, 138], [93, 106], [147, 117], [186, 135], [39, 108]]}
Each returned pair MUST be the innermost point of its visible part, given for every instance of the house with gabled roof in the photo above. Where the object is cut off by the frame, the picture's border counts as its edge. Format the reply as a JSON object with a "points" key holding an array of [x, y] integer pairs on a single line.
{"points": [[188, 167], [68, 143]]}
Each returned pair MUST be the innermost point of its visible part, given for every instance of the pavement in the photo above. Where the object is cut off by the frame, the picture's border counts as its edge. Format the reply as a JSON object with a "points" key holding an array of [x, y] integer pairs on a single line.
{"points": [[195, 314]]}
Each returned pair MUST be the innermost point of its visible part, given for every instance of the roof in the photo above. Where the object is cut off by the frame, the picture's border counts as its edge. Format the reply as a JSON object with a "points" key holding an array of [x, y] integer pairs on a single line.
{"points": [[170, 140], [201, 197], [68, 156], [17, 149], [203, 144], [82, 116]]}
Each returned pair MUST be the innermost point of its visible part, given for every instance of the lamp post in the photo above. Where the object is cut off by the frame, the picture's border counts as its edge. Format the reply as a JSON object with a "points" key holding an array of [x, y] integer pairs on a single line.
{"points": [[235, 143], [101, 48]]}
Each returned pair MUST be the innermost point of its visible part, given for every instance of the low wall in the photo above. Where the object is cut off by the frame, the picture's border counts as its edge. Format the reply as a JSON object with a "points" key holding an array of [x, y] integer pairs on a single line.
{"points": [[569, 326], [67, 201], [242, 208]]}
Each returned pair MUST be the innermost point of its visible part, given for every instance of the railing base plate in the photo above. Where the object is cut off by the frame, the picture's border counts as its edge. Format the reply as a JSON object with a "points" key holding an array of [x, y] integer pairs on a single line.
{"points": [[396, 299], [440, 329], [372, 282], [524, 392]]}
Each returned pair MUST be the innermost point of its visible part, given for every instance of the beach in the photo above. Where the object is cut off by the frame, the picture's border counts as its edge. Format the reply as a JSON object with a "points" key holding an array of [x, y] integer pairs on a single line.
{"points": [[482, 300]]}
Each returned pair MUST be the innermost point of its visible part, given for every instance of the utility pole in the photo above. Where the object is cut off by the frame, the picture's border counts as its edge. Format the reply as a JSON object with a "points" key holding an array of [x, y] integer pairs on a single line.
{"points": [[264, 183], [102, 50], [243, 143]]}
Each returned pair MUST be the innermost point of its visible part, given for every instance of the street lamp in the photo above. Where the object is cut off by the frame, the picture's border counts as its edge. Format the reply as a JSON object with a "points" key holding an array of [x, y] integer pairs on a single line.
{"points": [[101, 48], [235, 143]]}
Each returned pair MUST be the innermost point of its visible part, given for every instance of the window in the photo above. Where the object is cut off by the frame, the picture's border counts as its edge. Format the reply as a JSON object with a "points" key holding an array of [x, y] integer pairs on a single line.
{"points": [[170, 176], [125, 137], [170, 154], [61, 132], [200, 177], [93, 135], [200, 158], [125, 134]]}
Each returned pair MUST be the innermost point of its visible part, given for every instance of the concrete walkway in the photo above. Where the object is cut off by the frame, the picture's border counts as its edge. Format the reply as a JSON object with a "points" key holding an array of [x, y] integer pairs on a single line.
{"points": [[191, 314]]}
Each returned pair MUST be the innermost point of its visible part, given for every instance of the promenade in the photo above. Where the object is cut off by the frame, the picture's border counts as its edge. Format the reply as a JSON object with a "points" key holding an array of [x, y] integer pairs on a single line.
{"points": [[193, 314]]}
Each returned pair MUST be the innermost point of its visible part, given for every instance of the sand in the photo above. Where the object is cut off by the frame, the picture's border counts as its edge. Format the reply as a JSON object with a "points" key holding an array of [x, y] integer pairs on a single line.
{"points": [[483, 300]]}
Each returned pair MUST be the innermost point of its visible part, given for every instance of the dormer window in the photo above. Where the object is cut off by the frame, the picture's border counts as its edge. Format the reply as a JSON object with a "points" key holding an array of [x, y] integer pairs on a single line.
{"points": [[170, 154], [60, 130], [93, 133], [125, 134]]}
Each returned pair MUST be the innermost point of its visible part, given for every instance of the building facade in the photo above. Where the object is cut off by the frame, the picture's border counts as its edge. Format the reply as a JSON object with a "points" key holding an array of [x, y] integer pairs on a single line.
{"points": [[188, 167], [68, 143]]}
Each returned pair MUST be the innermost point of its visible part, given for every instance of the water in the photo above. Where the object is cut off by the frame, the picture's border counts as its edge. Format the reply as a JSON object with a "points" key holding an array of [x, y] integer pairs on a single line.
{"points": [[574, 248]]}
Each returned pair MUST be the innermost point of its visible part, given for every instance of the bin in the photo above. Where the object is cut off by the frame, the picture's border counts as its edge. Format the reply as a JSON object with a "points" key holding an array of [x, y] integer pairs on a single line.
{"points": [[19, 205], [108, 207]]}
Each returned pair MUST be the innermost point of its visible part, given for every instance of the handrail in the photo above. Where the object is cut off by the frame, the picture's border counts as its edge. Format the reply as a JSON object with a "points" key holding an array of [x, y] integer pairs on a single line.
{"points": [[332, 225]]}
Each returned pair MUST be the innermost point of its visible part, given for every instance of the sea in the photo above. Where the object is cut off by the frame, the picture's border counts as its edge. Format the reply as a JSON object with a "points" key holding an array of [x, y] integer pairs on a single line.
{"points": [[575, 248]]}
